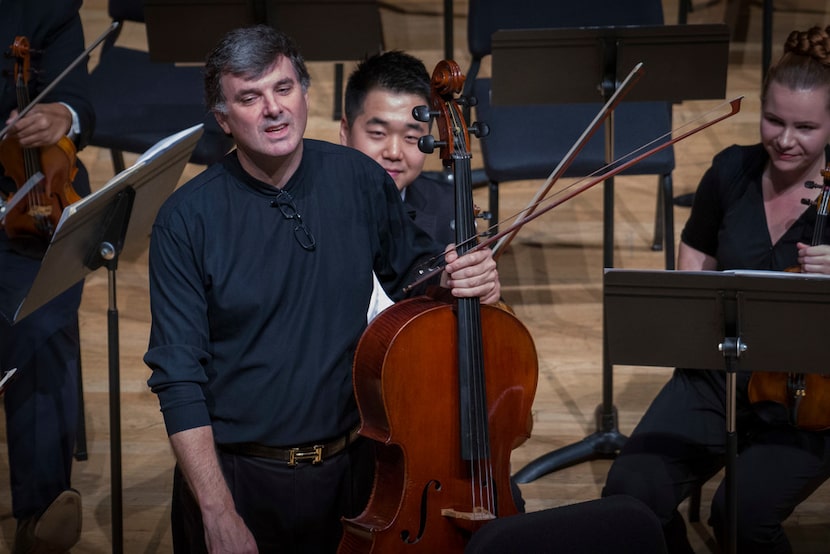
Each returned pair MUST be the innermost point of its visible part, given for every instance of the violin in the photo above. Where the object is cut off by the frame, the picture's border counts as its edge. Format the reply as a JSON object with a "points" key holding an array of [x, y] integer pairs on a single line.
{"points": [[53, 168], [445, 387], [805, 395]]}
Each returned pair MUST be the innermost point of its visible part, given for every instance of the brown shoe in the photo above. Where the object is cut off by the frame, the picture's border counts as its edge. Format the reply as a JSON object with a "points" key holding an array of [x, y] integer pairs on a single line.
{"points": [[56, 531]]}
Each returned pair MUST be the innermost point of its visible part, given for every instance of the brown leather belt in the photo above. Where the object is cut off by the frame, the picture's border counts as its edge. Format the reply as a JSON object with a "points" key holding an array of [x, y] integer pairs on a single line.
{"points": [[314, 453]]}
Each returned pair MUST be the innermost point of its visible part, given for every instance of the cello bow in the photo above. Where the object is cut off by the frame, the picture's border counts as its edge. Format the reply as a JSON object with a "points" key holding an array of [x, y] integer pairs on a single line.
{"points": [[576, 189], [563, 165]]}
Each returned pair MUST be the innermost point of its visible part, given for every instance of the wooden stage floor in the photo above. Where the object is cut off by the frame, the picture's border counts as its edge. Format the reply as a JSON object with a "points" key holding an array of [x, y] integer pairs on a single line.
{"points": [[551, 276]]}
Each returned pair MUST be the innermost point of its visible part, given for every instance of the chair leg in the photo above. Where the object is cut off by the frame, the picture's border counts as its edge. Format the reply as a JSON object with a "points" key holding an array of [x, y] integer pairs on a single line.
{"points": [[337, 113], [80, 437], [494, 207], [684, 8], [668, 219], [664, 220], [659, 218], [117, 161]]}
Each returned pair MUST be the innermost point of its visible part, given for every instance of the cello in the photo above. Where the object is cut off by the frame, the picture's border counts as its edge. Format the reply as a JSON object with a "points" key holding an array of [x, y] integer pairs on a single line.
{"points": [[805, 395], [445, 388]]}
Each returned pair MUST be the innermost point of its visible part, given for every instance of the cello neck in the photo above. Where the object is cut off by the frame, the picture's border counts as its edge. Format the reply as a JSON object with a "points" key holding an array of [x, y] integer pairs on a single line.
{"points": [[447, 82], [473, 396]]}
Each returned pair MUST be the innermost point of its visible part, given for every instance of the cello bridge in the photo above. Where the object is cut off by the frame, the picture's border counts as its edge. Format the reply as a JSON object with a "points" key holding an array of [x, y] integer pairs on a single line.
{"points": [[478, 514]]}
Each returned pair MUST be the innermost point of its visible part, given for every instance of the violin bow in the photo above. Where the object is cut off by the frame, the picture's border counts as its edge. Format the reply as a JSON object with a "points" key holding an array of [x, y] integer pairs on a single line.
{"points": [[566, 161], [60, 77], [573, 190]]}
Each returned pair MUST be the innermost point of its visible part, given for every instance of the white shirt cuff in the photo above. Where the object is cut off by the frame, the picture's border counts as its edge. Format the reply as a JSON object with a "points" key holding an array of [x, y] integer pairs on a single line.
{"points": [[75, 129]]}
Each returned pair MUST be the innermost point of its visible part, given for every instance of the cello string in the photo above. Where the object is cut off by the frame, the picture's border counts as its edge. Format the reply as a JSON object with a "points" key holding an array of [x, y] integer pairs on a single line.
{"points": [[469, 310], [482, 471]]}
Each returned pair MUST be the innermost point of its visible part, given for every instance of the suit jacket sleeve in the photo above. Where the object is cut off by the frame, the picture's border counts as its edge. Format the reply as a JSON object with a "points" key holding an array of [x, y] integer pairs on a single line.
{"points": [[56, 38]]}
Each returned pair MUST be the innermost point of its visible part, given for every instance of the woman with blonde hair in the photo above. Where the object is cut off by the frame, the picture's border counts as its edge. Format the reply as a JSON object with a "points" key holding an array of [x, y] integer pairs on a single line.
{"points": [[748, 213]]}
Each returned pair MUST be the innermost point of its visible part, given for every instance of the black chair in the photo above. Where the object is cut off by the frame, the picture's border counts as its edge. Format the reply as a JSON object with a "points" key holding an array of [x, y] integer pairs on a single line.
{"points": [[527, 142], [138, 102]]}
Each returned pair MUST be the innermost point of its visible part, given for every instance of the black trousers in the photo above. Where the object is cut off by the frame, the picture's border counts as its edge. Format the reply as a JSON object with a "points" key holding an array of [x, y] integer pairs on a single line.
{"points": [[41, 403], [618, 524], [288, 509], [680, 442]]}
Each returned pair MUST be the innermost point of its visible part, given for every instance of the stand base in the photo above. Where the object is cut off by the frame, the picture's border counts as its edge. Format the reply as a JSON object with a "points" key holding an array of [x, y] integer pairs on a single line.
{"points": [[605, 443]]}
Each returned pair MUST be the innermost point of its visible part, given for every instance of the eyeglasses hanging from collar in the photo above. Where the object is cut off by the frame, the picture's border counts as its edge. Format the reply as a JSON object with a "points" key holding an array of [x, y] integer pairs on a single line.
{"points": [[289, 211]]}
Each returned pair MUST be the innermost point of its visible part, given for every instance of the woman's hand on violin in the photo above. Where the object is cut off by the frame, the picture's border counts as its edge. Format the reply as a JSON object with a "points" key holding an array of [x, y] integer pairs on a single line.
{"points": [[814, 259], [472, 275], [44, 125]]}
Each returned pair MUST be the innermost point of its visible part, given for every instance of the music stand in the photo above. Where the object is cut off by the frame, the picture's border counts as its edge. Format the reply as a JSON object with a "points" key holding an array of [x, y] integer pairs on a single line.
{"points": [[585, 64], [95, 231], [324, 30], [717, 321]]}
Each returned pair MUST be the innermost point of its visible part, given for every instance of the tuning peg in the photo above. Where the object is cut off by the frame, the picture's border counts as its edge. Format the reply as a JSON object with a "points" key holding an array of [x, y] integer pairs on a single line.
{"points": [[479, 129], [469, 101], [807, 201], [812, 185], [423, 113], [427, 144]]}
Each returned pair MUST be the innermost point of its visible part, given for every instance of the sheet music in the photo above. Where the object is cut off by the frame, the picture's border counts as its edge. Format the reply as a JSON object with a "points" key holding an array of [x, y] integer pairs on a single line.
{"points": [[153, 152], [75, 247], [777, 274], [5, 379], [165, 143]]}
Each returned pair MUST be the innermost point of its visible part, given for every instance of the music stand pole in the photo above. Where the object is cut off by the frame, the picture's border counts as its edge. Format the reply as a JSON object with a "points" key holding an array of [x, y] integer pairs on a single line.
{"points": [[106, 252], [115, 407], [449, 31], [731, 348], [607, 440]]}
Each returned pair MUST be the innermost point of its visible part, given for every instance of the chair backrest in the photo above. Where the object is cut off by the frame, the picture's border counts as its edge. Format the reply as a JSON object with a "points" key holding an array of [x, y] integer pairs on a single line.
{"points": [[485, 17]]}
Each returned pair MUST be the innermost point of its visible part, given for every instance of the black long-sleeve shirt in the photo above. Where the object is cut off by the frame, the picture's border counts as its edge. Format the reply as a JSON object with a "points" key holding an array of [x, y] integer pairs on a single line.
{"points": [[252, 333]]}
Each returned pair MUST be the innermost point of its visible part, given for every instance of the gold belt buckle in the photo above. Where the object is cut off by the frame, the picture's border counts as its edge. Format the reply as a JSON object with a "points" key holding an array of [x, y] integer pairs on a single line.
{"points": [[297, 455]]}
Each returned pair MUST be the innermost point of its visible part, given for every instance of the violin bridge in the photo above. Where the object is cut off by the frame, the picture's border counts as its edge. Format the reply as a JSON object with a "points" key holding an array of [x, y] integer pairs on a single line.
{"points": [[40, 210]]}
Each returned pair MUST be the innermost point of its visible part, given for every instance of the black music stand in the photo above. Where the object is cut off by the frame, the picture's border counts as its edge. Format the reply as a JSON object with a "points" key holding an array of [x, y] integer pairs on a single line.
{"points": [[585, 65], [717, 321], [325, 30], [112, 222]]}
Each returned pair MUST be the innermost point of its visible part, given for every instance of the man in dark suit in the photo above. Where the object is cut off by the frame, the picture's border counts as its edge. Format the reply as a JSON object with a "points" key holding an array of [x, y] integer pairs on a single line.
{"points": [[378, 121], [41, 403]]}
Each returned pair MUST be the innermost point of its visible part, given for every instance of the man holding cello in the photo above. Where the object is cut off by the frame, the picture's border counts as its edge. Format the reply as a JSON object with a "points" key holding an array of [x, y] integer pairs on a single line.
{"points": [[41, 402], [260, 278]]}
